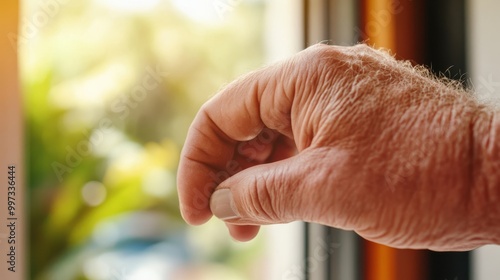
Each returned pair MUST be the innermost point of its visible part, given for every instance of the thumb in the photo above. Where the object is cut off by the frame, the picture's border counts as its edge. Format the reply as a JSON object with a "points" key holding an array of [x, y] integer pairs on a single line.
{"points": [[278, 192]]}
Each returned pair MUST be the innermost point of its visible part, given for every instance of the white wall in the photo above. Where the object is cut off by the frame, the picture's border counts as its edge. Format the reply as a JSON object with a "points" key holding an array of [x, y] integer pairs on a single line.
{"points": [[484, 47], [283, 38], [283, 29], [484, 68]]}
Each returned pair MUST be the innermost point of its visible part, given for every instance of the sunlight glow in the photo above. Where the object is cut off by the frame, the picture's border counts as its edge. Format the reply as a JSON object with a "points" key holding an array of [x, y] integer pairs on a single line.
{"points": [[200, 10], [93, 193], [130, 5]]}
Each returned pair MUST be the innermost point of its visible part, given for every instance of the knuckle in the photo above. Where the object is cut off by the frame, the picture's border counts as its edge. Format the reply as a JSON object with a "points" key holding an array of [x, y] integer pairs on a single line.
{"points": [[320, 53], [362, 48]]}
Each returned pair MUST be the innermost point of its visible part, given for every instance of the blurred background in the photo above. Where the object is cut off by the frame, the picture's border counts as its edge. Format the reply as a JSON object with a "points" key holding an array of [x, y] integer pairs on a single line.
{"points": [[111, 86], [110, 89]]}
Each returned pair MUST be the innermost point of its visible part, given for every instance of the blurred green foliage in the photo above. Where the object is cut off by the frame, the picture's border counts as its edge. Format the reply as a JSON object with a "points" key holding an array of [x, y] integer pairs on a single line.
{"points": [[110, 90]]}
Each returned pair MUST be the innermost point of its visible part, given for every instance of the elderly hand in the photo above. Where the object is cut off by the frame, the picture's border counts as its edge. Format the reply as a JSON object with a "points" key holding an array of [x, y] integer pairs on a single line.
{"points": [[350, 138]]}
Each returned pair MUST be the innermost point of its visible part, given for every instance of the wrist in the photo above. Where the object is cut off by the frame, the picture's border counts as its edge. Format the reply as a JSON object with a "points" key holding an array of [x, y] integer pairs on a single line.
{"points": [[485, 165]]}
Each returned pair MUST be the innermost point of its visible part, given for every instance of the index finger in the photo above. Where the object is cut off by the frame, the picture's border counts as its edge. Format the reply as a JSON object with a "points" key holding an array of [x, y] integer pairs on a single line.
{"points": [[237, 113]]}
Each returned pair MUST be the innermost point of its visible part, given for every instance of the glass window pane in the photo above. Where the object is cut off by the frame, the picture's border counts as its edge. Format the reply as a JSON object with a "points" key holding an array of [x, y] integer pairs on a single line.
{"points": [[110, 89]]}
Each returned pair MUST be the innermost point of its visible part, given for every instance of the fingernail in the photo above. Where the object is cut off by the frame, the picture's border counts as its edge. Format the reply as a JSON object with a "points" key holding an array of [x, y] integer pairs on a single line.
{"points": [[222, 205]]}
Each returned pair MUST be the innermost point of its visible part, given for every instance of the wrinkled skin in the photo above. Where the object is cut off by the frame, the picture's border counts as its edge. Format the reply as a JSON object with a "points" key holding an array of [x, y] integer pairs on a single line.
{"points": [[351, 138]]}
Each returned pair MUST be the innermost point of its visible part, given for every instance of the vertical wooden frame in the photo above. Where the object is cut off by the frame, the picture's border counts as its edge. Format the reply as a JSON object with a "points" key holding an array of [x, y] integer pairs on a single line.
{"points": [[13, 219], [333, 22]]}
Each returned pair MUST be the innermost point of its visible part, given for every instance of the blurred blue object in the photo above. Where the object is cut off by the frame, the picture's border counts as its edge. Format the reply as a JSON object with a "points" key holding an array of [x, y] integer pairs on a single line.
{"points": [[137, 245]]}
